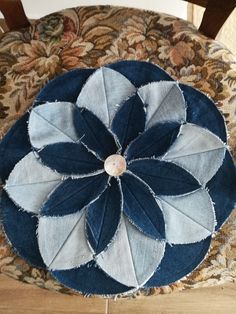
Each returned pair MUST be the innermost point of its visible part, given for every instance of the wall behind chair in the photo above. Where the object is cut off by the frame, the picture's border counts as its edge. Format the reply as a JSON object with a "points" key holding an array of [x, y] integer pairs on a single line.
{"points": [[36, 9]]}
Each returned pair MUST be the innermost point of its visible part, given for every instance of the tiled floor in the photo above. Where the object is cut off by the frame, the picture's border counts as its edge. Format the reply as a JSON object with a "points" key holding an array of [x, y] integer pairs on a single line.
{"points": [[19, 298]]}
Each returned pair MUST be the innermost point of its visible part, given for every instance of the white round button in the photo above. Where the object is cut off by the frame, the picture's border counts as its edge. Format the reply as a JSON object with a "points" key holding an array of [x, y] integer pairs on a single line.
{"points": [[115, 165]]}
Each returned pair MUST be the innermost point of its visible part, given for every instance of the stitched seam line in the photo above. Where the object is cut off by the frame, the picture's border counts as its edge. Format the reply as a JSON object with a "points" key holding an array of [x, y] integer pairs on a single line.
{"points": [[65, 241], [184, 214], [104, 212], [56, 128], [131, 253], [141, 174], [33, 183], [146, 214], [203, 152], [72, 194], [105, 95], [100, 144], [157, 110], [156, 141], [78, 161], [124, 137]]}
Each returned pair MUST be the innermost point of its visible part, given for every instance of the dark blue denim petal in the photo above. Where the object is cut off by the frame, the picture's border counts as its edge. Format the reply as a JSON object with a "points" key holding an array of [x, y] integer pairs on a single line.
{"points": [[94, 134], [65, 87], [154, 142], [103, 217], [140, 72], [141, 207], [70, 159], [14, 146], [20, 228], [222, 189], [74, 194], [164, 178], [202, 111], [89, 279], [129, 121], [178, 261]]}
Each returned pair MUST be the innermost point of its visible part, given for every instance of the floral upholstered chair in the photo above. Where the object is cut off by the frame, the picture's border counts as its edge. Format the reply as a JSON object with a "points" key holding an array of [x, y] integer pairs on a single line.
{"points": [[92, 36]]}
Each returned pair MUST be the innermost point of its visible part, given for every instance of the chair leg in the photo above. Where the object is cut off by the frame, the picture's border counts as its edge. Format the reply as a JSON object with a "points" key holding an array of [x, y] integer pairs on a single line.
{"points": [[215, 15], [14, 14]]}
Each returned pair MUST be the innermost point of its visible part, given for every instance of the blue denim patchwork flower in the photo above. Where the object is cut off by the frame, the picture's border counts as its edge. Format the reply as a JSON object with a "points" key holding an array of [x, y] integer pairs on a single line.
{"points": [[117, 178]]}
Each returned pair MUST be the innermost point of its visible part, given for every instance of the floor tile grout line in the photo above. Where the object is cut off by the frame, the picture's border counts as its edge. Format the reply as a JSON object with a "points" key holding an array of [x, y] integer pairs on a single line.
{"points": [[107, 307]]}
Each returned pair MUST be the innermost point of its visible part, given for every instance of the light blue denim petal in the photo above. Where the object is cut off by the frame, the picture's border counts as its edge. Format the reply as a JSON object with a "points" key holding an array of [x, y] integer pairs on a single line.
{"points": [[30, 182], [52, 123], [197, 150], [132, 257], [164, 101], [104, 92], [189, 218], [62, 241]]}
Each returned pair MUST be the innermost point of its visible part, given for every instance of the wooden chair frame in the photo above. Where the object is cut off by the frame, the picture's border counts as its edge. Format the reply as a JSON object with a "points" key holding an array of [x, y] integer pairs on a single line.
{"points": [[216, 13]]}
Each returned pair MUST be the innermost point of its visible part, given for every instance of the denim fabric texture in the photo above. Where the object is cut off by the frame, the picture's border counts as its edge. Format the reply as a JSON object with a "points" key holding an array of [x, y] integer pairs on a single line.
{"points": [[100, 141], [74, 194], [129, 121], [70, 159], [202, 111], [20, 227], [179, 260], [106, 210], [12, 151], [154, 142], [147, 226]]}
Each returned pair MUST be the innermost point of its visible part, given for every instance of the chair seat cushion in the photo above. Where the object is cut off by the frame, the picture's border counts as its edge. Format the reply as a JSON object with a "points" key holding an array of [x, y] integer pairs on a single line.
{"points": [[95, 36]]}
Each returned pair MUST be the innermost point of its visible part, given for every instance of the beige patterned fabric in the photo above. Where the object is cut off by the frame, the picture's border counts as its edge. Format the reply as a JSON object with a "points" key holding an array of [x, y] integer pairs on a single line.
{"points": [[94, 36]]}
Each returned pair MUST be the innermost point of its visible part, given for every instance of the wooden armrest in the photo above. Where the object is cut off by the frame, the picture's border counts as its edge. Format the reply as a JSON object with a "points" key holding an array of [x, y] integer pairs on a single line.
{"points": [[215, 15], [14, 14]]}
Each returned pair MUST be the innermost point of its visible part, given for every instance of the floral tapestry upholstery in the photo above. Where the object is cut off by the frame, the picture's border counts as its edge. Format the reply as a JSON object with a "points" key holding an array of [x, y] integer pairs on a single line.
{"points": [[96, 36]]}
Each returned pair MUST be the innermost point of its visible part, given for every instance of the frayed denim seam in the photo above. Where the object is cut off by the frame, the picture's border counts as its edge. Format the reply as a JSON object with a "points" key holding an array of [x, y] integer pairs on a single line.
{"points": [[159, 200], [13, 248], [155, 198], [84, 209], [117, 229], [179, 134], [117, 106], [208, 130], [146, 104]]}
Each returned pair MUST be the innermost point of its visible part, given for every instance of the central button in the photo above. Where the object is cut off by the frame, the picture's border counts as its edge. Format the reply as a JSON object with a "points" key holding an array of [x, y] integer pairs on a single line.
{"points": [[115, 165]]}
